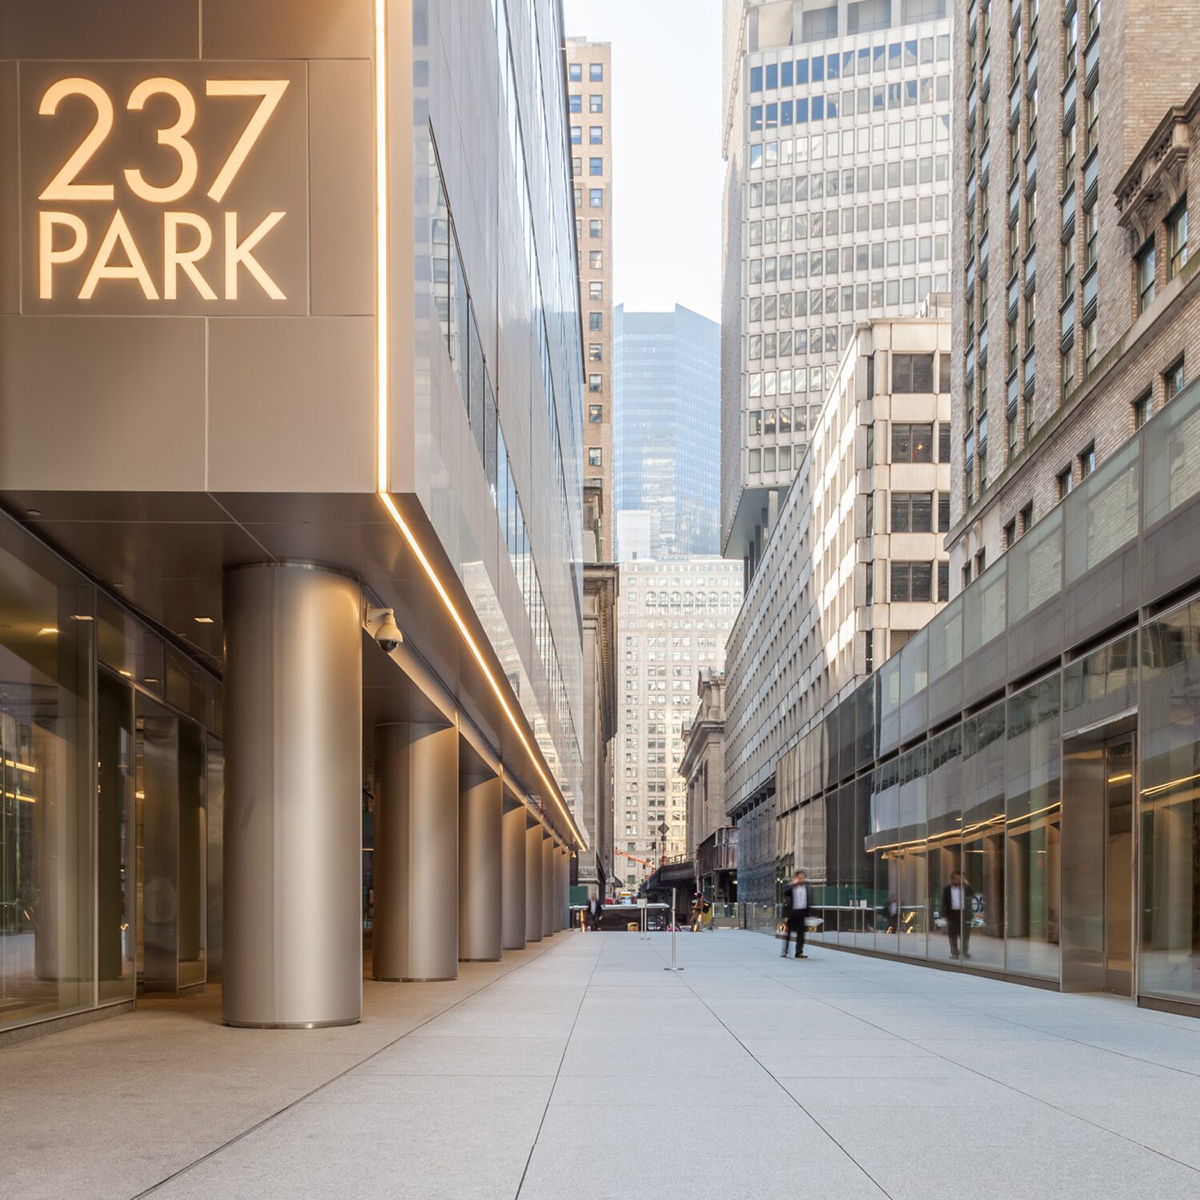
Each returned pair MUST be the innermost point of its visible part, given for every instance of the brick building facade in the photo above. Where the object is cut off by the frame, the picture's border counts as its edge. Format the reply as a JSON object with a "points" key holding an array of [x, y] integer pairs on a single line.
{"points": [[1075, 302]]}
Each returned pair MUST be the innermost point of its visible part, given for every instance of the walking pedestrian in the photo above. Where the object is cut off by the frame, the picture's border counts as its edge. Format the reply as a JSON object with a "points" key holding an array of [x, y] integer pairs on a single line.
{"points": [[957, 909], [593, 912], [795, 912]]}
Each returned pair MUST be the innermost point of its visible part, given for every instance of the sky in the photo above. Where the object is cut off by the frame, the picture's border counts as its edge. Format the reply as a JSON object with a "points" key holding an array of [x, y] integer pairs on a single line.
{"points": [[668, 173]]}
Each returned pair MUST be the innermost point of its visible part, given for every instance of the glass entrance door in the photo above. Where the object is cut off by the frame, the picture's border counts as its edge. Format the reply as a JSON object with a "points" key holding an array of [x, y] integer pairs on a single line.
{"points": [[1118, 864], [1099, 786], [171, 840]]}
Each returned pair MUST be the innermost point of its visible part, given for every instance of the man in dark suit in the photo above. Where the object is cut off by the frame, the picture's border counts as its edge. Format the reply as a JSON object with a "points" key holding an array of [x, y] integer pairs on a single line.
{"points": [[957, 909], [593, 912], [795, 911]]}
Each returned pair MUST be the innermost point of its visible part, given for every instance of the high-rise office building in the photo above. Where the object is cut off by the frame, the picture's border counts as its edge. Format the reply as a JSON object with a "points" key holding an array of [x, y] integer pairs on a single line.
{"points": [[668, 403], [589, 131], [589, 127], [853, 569], [1073, 252], [292, 497], [837, 209], [675, 617]]}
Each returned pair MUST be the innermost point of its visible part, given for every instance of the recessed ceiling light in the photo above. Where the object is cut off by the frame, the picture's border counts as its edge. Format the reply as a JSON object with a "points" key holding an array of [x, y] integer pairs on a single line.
{"points": [[119, 586], [127, 674], [46, 630], [152, 679], [81, 616], [203, 620], [33, 512]]}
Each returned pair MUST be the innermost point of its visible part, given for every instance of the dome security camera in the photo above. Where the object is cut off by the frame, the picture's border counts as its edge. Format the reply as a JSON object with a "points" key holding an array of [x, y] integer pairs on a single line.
{"points": [[387, 634]]}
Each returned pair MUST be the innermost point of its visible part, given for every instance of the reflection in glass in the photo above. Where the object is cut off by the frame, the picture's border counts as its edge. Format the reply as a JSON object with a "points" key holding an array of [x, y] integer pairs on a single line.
{"points": [[812, 841], [171, 763], [1169, 937], [1118, 865], [983, 832], [827, 895], [114, 838], [910, 853], [1033, 776], [1101, 684], [885, 817], [46, 880], [943, 861], [862, 896]]}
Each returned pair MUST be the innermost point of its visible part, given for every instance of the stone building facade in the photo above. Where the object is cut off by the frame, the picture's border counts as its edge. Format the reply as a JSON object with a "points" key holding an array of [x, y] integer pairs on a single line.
{"points": [[1076, 312], [853, 568], [589, 105]]}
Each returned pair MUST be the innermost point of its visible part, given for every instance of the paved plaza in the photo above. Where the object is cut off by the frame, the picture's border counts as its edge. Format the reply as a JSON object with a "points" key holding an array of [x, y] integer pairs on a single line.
{"points": [[580, 1068]]}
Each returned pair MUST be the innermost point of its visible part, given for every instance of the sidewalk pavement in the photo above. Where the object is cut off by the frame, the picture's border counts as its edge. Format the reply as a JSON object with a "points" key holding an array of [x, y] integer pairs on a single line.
{"points": [[581, 1068]]}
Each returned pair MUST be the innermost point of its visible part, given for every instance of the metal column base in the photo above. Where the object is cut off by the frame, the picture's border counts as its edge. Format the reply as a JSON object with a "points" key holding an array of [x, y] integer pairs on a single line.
{"points": [[289, 1024]]}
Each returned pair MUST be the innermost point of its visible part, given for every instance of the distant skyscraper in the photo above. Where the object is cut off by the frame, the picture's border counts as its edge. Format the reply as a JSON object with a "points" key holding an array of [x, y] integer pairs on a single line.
{"points": [[589, 96], [666, 425], [837, 210], [675, 618]]}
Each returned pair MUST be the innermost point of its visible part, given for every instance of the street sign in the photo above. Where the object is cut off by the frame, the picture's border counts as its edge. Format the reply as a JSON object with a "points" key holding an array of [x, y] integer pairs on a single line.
{"points": [[664, 829]]}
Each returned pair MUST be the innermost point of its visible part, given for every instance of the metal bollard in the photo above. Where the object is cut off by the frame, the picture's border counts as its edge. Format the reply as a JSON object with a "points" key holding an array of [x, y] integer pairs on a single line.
{"points": [[674, 924]]}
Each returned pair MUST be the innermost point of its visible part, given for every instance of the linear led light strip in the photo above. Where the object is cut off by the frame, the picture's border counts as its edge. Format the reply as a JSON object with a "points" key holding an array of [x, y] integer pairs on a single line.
{"points": [[382, 368]]}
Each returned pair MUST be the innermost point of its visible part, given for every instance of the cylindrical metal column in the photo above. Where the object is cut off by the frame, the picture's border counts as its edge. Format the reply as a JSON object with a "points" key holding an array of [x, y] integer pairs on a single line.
{"points": [[512, 879], [533, 884], [416, 853], [480, 809], [556, 887], [293, 797], [547, 886], [564, 887]]}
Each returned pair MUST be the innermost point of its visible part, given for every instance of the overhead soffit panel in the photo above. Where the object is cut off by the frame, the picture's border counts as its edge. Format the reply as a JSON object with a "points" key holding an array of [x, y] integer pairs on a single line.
{"points": [[172, 570]]}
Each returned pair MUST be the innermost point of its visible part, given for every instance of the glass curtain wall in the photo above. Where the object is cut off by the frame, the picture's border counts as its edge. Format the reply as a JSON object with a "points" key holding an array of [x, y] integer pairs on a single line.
{"points": [[982, 801], [983, 832], [911, 852], [47, 899], [1169, 937], [1033, 823], [77, 674], [943, 859], [812, 837], [883, 847]]}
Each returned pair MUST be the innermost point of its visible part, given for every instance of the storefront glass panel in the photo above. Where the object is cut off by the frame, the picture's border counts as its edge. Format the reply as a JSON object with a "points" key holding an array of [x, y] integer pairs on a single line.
{"points": [[883, 847], [983, 833], [943, 859], [116, 916], [860, 894], [1169, 936], [910, 853], [1033, 821], [47, 889]]}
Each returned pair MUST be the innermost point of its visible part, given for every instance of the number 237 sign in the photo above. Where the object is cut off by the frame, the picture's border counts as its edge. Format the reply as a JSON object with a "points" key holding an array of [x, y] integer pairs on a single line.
{"points": [[164, 188]]}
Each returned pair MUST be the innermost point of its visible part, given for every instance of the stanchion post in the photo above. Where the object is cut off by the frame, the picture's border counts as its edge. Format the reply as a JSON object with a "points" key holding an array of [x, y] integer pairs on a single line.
{"points": [[673, 967]]}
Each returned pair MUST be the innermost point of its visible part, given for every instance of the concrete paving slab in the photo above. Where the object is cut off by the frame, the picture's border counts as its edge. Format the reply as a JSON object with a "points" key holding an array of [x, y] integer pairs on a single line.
{"points": [[558, 1073]]}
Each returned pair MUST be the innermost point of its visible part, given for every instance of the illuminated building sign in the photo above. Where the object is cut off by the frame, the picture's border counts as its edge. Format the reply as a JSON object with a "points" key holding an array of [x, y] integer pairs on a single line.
{"points": [[164, 188]]}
